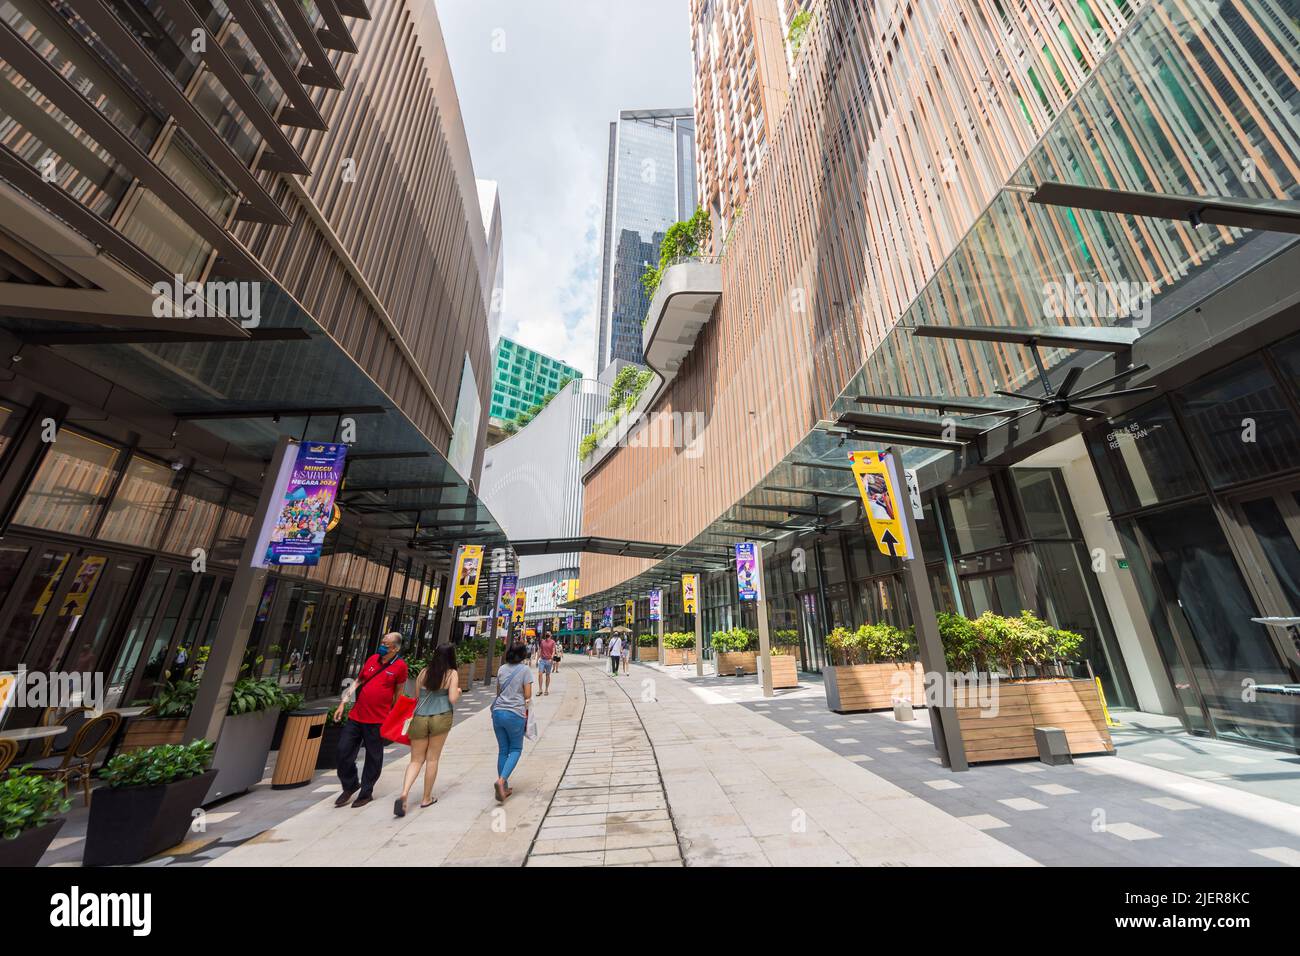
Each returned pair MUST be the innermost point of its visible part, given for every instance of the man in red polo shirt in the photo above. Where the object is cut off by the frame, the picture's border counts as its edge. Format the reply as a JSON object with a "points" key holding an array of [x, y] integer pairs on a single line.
{"points": [[377, 687]]}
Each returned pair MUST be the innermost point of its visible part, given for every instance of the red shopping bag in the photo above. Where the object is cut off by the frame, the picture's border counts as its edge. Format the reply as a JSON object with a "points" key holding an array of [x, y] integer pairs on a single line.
{"points": [[398, 720]]}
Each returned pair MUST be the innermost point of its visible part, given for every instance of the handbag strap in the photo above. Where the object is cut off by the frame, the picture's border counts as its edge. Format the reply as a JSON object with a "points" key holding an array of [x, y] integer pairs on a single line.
{"points": [[356, 688]]}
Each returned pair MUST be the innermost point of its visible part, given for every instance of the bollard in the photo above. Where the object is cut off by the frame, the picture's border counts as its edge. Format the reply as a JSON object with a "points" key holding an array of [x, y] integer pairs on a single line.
{"points": [[1053, 747], [903, 710]]}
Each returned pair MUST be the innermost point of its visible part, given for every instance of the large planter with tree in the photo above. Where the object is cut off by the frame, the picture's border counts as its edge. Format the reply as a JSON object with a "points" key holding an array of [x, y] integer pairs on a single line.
{"points": [[647, 648], [149, 803], [31, 815], [1022, 665], [735, 650], [679, 648], [874, 666], [245, 740], [785, 666]]}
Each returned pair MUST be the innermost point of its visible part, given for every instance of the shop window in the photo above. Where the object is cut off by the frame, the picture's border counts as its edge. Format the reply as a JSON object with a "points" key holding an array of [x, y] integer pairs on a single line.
{"points": [[1287, 356], [236, 526], [973, 518], [13, 639], [68, 492], [1240, 423], [1045, 502], [1142, 458], [10, 419], [197, 515], [141, 504]]}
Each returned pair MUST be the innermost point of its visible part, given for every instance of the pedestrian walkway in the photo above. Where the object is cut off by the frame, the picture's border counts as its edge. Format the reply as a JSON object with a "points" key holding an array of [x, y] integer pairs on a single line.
{"points": [[1099, 811], [610, 808]]}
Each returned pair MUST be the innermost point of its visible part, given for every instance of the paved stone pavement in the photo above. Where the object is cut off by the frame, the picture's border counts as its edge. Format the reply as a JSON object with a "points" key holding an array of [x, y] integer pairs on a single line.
{"points": [[610, 808], [1100, 811]]}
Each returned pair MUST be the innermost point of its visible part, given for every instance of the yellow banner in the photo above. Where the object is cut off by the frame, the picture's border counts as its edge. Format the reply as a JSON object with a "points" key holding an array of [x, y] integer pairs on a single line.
{"points": [[8, 684], [469, 565], [688, 593], [881, 502], [573, 589], [521, 605], [629, 612], [586, 620]]}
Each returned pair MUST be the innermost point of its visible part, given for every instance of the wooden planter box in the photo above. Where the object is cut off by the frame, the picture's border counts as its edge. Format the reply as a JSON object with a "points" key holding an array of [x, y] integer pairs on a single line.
{"points": [[858, 687], [679, 655], [144, 732], [648, 654], [785, 671], [1007, 733], [465, 675], [480, 667], [728, 661]]}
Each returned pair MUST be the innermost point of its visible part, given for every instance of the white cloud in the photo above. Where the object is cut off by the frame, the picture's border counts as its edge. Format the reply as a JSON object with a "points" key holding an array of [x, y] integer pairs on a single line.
{"points": [[539, 83]]}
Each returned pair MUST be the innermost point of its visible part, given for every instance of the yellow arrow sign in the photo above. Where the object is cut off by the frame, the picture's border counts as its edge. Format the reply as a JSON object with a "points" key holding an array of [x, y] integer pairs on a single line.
{"points": [[469, 564], [881, 501]]}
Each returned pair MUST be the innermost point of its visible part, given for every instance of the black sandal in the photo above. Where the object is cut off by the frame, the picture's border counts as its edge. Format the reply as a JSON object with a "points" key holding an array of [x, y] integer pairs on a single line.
{"points": [[425, 806], [399, 807]]}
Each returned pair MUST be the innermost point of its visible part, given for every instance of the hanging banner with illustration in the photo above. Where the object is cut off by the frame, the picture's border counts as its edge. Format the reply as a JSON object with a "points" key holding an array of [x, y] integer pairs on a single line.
{"points": [[586, 620], [307, 505], [688, 593], [629, 612], [747, 571], [656, 605], [506, 599], [469, 565], [521, 605], [880, 499], [568, 623], [608, 619]]}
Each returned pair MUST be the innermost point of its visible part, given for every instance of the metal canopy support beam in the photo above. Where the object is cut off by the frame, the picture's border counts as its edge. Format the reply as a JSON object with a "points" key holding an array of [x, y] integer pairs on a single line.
{"points": [[1268, 215], [824, 465], [283, 413], [303, 112], [939, 403], [790, 510], [923, 426], [389, 456], [1084, 338], [815, 492], [156, 336], [890, 438], [427, 486]]}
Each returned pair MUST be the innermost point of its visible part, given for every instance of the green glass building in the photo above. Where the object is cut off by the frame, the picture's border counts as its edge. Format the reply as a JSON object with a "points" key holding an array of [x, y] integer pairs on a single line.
{"points": [[521, 378]]}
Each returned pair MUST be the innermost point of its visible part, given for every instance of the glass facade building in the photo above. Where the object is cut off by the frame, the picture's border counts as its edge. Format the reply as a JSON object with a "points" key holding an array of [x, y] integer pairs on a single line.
{"points": [[1163, 525], [521, 378], [650, 186]]}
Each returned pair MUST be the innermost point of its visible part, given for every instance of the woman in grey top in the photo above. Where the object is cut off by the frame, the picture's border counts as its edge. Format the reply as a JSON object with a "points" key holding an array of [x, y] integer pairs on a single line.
{"points": [[510, 715], [439, 690]]}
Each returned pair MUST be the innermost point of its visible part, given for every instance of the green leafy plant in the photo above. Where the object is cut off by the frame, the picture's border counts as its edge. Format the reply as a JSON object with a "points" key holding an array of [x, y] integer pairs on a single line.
{"points": [[679, 639], [465, 653], [329, 718], [681, 240], [735, 640], [157, 766], [799, 29], [174, 699], [648, 640], [250, 696], [28, 802], [844, 645], [961, 642], [293, 702]]}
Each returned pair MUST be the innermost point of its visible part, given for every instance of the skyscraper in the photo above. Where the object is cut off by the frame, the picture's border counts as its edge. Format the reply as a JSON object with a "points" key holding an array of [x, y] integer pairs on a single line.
{"points": [[744, 53], [650, 184]]}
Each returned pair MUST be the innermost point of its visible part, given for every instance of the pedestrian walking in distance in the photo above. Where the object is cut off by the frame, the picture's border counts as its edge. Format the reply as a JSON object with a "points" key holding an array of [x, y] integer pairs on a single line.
{"points": [[547, 653], [510, 715], [376, 689], [615, 652], [439, 686]]}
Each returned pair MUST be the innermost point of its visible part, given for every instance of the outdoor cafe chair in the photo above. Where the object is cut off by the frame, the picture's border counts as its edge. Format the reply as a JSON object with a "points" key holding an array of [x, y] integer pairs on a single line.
{"points": [[79, 759]]}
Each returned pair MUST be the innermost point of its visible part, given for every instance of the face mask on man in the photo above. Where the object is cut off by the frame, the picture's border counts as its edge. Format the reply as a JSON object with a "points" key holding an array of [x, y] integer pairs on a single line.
{"points": [[384, 650]]}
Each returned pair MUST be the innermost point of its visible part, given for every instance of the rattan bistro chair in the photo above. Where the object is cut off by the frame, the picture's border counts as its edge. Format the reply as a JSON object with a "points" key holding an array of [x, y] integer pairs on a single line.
{"points": [[71, 717], [8, 751], [79, 759]]}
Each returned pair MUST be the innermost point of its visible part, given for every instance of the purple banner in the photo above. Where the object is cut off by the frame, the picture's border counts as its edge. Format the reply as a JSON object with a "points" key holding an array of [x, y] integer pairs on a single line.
{"points": [[299, 531], [746, 571], [656, 604]]}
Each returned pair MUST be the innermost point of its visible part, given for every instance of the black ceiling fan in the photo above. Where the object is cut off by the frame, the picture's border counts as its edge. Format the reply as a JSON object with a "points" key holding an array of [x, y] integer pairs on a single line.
{"points": [[1062, 401]]}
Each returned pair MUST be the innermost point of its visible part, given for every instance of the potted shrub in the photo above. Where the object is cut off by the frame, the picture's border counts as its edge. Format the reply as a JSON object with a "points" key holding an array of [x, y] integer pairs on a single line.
{"points": [[679, 647], [245, 741], [328, 757], [874, 665], [31, 815], [466, 654], [648, 647], [165, 720], [1030, 660], [734, 649], [149, 802], [480, 645]]}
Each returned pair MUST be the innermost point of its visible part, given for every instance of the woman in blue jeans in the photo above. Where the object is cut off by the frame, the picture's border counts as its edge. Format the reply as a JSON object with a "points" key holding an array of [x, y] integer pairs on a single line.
{"points": [[510, 715]]}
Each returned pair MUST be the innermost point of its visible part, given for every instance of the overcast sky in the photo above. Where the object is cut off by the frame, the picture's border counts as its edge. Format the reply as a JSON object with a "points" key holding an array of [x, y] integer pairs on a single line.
{"points": [[539, 83]]}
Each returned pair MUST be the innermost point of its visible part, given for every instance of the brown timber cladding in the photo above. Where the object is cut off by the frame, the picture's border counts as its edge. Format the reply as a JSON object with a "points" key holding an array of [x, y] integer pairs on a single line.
{"points": [[901, 127], [406, 221]]}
